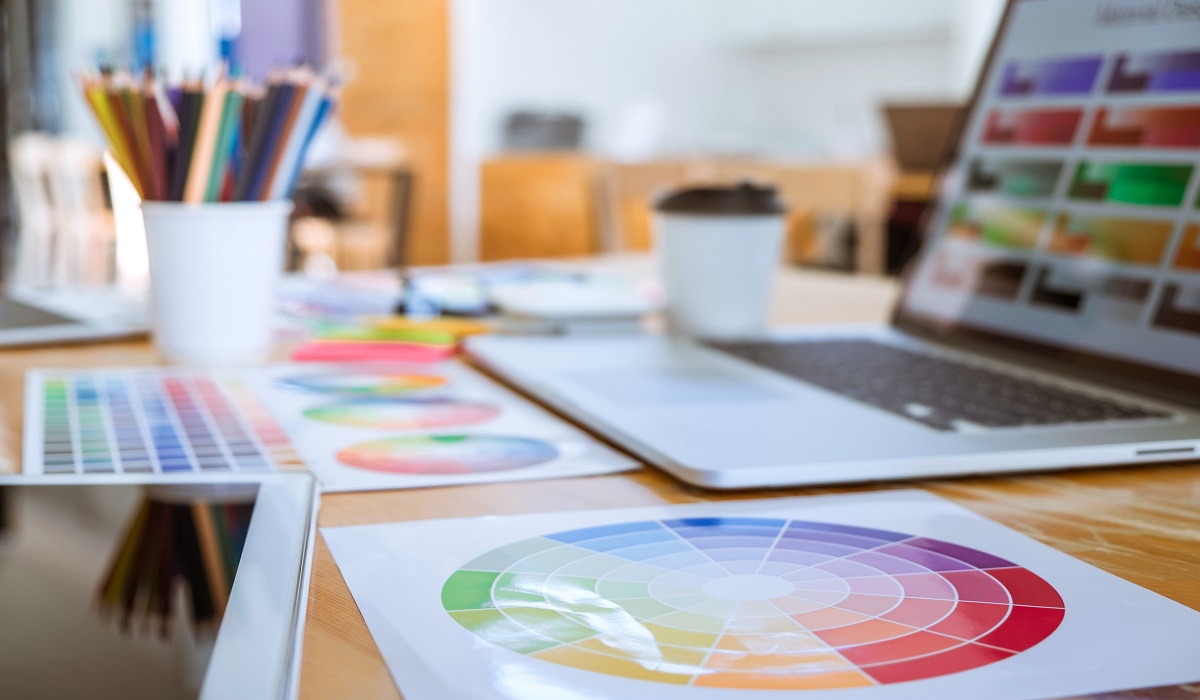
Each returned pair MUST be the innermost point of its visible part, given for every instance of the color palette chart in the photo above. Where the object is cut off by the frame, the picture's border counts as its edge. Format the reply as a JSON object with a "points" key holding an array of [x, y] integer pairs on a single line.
{"points": [[355, 426], [131, 421], [757, 603], [894, 594]]}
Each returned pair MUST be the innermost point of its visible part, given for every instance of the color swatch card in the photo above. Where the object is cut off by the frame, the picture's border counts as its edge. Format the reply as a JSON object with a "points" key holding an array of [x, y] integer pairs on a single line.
{"points": [[148, 420], [357, 427], [884, 595]]}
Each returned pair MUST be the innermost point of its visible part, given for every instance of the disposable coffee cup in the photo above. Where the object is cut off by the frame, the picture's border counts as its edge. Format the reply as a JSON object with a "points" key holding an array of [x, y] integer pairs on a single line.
{"points": [[214, 278], [718, 248]]}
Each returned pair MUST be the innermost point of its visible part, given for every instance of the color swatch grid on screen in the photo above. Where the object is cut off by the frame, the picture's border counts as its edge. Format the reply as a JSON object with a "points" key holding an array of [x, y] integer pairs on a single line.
{"points": [[114, 422], [753, 603]]}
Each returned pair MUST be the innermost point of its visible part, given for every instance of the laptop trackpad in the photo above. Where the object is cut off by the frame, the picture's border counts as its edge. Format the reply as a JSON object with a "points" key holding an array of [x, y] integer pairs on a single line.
{"points": [[673, 386]]}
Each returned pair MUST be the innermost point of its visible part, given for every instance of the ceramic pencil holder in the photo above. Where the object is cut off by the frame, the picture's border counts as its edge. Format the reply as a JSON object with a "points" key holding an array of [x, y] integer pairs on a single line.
{"points": [[214, 277]]}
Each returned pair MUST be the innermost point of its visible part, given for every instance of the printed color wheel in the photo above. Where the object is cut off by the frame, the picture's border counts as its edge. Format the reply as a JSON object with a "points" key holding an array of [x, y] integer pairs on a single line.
{"points": [[402, 414], [753, 603], [447, 454], [364, 384]]}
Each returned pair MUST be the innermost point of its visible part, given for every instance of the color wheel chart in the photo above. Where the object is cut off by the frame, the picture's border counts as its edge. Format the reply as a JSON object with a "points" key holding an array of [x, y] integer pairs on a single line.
{"points": [[448, 454], [753, 603], [370, 426], [403, 414]]}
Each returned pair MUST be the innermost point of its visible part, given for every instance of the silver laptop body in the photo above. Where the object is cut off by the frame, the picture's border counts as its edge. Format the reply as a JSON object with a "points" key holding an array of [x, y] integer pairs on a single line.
{"points": [[1061, 270]]}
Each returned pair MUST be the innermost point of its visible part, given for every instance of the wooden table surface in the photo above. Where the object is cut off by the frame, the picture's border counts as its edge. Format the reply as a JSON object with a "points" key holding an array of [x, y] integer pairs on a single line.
{"points": [[1142, 524]]}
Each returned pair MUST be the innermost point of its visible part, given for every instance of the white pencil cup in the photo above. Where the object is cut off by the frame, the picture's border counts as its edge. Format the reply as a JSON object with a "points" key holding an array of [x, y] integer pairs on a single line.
{"points": [[214, 277]]}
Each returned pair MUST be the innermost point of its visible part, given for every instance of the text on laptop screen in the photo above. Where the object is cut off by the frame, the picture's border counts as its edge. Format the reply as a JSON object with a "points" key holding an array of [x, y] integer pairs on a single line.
{"points": [[1071, 215]]}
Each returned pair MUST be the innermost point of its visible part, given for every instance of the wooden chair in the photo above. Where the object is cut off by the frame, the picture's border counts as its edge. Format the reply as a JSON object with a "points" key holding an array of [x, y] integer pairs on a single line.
{"points": [[66, 233], [28, 155]]}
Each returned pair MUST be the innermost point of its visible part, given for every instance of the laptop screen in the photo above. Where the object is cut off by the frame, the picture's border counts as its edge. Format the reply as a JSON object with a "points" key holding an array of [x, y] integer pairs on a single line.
{"points": [[1070, 216]]}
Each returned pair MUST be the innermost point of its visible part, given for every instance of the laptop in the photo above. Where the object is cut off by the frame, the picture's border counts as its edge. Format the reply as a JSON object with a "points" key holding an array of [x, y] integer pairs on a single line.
{"points": [[32, 317], [1052, 319]]}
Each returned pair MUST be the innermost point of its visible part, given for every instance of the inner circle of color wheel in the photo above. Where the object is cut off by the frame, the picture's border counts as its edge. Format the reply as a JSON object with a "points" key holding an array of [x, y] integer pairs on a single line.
{"points": [[448, 454], [364, 384], [753, 603]]}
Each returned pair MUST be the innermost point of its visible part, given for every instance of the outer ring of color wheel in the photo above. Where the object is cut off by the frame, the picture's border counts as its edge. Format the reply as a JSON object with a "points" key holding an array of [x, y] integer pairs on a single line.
{"points": [[403, 414], [753, 603], [448, 454], [365, 383]]}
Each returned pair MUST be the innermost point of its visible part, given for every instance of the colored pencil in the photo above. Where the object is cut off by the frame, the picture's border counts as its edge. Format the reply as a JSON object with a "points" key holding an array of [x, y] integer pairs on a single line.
{"points": [[258, 138], [189, 119], [210, 140], [229, 116], [206, 142]]}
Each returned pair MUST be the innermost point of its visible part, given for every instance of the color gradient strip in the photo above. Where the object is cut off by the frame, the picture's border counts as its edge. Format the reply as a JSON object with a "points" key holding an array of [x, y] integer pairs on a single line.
{"points": [[1133, 241], [1169, 71], [1147, 127], [1188, 257], [1148, 184], [997, 225], [1017, 178], [1054, 76], [448, 454], [1032, 127]]}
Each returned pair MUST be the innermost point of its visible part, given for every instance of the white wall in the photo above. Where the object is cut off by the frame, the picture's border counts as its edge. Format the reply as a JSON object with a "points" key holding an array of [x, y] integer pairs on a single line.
{"points": [[789, 78], [595, 57]]}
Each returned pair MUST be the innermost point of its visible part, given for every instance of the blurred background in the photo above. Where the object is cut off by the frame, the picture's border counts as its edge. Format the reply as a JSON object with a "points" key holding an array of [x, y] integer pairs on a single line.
{"points": [[497, 129]]}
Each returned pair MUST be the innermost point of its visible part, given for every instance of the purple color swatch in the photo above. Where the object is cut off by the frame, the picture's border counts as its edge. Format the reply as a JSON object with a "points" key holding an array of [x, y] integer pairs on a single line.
{"points": [[1059, 76], [1175, 71]]}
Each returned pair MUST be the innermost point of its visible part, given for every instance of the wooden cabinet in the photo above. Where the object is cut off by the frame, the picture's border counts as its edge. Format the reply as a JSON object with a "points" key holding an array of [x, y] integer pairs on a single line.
{"points": [[399, 88], [538, 205]]}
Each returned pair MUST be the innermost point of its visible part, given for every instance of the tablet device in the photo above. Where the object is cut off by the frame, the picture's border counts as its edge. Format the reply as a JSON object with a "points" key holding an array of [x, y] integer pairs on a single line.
{"points": [[153, 587]]}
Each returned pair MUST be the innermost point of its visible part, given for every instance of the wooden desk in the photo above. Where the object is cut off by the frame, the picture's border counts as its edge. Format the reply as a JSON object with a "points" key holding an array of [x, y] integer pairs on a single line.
{"points": [[1140, 524]]}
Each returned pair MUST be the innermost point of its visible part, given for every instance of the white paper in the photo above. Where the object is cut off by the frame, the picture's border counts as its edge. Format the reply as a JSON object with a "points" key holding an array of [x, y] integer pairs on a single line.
{"points": [[328, 418], [321, 442], [1114, 635]]}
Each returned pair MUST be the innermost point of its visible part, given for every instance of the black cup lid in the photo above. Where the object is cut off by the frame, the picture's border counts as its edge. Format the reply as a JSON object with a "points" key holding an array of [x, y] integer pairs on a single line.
{"points": [[745, 199]]}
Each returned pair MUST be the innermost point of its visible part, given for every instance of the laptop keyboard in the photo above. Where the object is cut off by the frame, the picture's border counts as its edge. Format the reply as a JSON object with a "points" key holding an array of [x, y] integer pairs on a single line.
{"points": [[937, 392]]}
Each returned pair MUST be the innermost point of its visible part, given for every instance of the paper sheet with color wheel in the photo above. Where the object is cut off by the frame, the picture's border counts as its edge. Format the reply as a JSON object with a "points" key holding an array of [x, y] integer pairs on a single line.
{"points": [[886, 595]]}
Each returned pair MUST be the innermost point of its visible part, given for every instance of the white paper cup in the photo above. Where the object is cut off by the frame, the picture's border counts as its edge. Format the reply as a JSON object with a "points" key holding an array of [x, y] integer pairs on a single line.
{"points": [[214, 276], [717, 270]]}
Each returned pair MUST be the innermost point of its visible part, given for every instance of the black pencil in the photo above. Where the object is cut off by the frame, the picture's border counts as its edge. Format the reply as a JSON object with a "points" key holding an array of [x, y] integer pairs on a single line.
{"points": [[189, 120]]}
